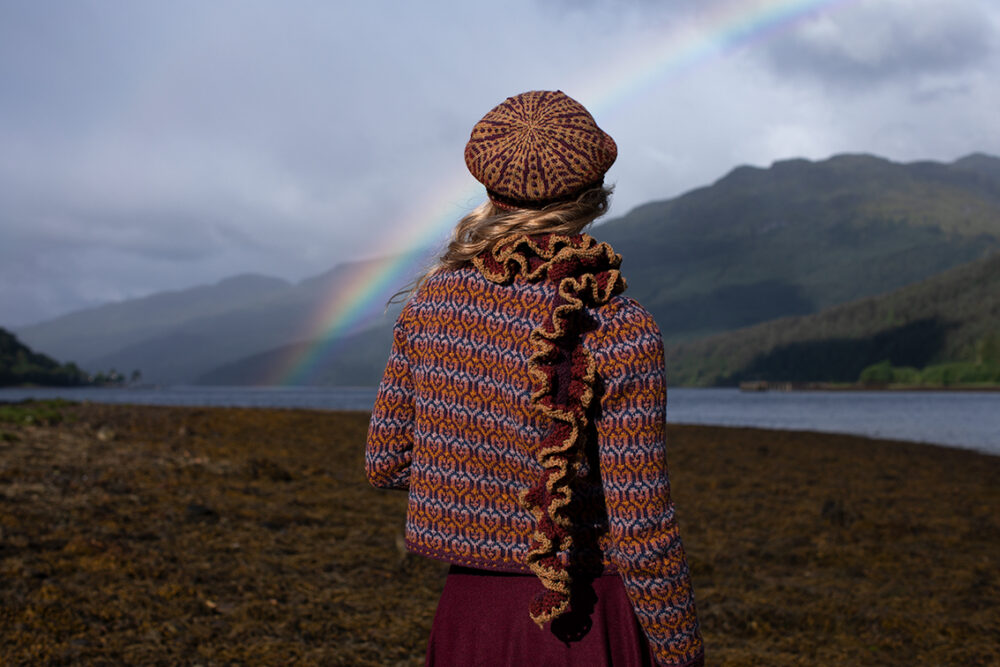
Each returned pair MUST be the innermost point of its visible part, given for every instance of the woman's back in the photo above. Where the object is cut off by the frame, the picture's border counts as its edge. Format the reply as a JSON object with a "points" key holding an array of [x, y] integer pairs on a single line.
{"points": [[458, 375], [523, 408], [464, 382]]}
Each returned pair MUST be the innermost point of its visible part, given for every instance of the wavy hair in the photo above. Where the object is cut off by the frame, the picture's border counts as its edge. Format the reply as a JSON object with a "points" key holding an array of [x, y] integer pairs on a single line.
{"points": [[486, 225]]}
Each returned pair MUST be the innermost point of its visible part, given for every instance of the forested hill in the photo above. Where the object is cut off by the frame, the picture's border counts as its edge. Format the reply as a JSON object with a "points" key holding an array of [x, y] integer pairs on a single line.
{"points": [[19, 365], [801, 236], [951, 317]]}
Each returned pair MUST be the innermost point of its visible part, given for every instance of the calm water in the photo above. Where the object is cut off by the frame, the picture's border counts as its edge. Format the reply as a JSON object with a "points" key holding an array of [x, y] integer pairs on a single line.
{"points": [[963, 419]]}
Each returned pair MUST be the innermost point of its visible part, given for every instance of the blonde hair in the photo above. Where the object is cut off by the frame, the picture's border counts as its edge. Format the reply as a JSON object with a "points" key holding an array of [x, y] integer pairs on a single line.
{"points": [[483, 227]]}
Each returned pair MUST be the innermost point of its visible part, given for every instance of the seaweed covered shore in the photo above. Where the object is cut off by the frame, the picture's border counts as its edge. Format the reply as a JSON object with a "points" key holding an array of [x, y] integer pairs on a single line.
{"points": [[218, 536]]}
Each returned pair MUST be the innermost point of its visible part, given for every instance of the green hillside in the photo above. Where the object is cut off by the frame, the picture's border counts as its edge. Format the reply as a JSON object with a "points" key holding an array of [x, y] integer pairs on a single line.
{"points": [[19, 365], [801, 236], [950, 317]]}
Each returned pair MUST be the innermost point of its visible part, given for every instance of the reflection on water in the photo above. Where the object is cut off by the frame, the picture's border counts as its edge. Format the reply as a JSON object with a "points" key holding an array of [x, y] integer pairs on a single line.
{"points": [[959, 418], [964, 419]]}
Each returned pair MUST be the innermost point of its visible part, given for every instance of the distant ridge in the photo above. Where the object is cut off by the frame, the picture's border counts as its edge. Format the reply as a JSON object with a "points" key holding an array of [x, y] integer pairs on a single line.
{"points": [[356, 361], [94, 335], [207, 326], [948, 317]]}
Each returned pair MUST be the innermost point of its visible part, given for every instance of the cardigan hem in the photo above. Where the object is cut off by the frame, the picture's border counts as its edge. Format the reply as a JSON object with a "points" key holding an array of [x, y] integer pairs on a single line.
{"points": [[480, 562], [697, 661]]}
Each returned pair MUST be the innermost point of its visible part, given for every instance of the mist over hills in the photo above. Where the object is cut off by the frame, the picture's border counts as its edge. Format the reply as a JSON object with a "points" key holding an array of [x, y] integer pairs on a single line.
{"points": [[354, 361], [92, 334], [758, 244], [203, 327]]}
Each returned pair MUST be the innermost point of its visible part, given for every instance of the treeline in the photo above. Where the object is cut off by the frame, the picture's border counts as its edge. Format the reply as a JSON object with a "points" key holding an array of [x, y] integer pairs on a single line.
{"points": [[942, 330], [985, 370], [19, 365], [935, 375]]}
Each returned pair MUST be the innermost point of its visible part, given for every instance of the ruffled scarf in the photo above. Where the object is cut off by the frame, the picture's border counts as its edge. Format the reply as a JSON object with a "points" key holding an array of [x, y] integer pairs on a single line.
{"points": [[585, 274]]}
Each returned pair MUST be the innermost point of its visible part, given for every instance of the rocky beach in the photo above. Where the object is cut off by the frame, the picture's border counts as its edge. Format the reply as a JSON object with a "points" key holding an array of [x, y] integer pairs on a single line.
{"points": [[224, 536]]}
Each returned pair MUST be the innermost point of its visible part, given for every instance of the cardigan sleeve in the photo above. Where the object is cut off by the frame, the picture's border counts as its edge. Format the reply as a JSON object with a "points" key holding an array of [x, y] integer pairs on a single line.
{"points": [[645, 544], [389, 447]]}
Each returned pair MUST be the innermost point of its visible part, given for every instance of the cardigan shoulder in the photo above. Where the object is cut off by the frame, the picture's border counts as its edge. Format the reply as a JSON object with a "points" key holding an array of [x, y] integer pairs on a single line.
{"points": [[624, 312], [621, 317], [624, 331]]}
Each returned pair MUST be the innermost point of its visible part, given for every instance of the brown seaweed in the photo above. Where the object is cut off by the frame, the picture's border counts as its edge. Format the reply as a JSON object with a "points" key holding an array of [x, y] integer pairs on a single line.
{"points": [[163, 536]]}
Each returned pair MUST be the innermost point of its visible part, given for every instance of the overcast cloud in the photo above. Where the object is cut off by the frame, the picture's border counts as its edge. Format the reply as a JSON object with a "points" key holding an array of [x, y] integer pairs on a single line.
{"points": [[149, 145]]}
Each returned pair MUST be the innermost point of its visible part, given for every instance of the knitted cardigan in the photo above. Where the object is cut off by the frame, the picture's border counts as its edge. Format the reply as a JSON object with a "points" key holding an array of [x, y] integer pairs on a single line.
{"points": [[453, 424]]}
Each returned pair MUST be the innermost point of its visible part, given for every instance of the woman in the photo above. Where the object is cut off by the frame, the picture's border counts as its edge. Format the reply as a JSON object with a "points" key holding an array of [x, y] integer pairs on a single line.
{"points": [[523, 407]]}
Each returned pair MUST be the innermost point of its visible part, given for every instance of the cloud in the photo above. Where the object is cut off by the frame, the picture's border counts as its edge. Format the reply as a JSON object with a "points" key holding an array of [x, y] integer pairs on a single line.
{"points": [[875, 41], [620, 8], [156, 145]]}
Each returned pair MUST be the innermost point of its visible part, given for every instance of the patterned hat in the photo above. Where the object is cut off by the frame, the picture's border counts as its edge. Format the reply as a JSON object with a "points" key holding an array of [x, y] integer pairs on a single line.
{"points": [[537, 148]]}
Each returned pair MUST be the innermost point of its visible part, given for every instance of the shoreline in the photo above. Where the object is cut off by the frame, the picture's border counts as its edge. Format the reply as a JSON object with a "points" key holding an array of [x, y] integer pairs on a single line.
{"points": [[750, 386], [972, 427], [813, 433], [764, 385], [670, 423]]}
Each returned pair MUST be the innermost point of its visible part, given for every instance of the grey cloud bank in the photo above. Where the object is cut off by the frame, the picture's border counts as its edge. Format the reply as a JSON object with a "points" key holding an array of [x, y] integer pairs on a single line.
{"points": [[151, 146], [901, 40]]}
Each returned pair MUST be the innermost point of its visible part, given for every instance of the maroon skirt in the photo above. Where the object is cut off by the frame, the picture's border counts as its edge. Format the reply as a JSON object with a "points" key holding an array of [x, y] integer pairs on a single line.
{"points": [[482, 619]]}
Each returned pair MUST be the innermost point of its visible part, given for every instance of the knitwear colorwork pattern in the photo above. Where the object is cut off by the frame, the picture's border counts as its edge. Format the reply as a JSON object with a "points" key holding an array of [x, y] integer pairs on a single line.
{"points": [[454, 424], [537, 148], [585, 274]]}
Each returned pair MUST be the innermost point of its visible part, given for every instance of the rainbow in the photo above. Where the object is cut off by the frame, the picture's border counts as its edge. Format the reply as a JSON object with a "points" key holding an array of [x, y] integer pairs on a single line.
{"points": [[361, 297], [716, 33], [719, 31]]}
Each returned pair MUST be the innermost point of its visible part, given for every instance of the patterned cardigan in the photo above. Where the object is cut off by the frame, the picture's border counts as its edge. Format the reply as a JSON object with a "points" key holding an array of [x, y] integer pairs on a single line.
{"points": [[452, 424]]}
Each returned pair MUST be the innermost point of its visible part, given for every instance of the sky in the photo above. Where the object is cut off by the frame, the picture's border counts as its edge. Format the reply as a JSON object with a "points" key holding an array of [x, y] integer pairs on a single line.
{"points": [[149, 146]]}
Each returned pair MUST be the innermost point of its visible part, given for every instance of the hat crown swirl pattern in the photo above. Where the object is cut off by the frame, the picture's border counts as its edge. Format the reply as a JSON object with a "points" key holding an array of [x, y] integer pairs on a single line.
{"points": [[538, 148]]}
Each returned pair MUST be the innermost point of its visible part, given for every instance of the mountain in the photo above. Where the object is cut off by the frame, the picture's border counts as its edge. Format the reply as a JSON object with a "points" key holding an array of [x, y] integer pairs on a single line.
{"points": [[96, 334], [353, 361], [953, 316], [766, 243], [20, 365], [802, 236], [203, 328], [792, 239]]}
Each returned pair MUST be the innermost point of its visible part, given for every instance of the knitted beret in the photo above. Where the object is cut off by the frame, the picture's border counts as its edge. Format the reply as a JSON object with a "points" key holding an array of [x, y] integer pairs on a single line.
{"points": [[537, 148]]}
